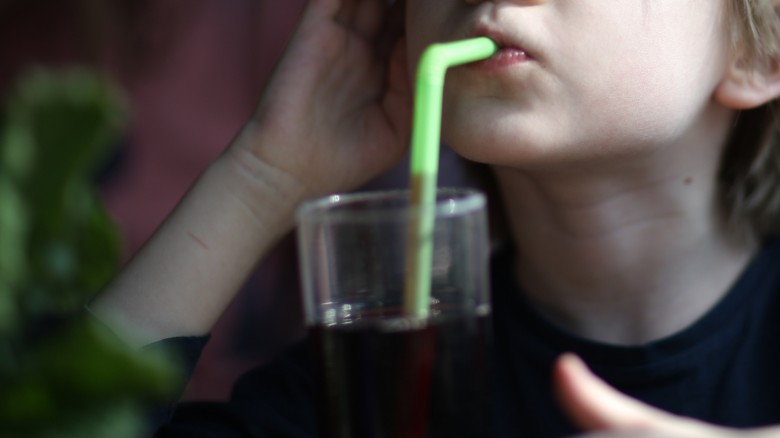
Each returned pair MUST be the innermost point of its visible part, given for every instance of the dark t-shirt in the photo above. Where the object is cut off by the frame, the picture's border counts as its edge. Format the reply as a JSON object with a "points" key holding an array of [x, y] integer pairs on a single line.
{"points": [[724, 368]]}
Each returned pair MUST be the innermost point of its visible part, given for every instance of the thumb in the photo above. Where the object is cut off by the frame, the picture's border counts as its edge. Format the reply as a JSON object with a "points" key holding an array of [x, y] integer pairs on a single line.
{"points": [[595, 406]]}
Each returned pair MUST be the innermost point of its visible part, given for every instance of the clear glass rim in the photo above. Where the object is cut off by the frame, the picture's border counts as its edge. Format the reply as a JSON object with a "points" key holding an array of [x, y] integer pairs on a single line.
{"points": [[372, 205]]}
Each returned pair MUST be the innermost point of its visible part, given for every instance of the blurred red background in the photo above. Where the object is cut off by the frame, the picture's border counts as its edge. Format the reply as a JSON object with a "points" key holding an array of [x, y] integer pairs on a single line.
{"points": [[192, 71]]}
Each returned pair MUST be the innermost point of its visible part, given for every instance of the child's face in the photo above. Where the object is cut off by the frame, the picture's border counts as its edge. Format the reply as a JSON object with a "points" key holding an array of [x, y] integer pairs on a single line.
{"points": [[605, 77]]}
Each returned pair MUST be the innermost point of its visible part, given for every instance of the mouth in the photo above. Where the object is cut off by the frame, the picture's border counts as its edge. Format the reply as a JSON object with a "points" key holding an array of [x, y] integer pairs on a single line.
{"points": [[508, 54]]}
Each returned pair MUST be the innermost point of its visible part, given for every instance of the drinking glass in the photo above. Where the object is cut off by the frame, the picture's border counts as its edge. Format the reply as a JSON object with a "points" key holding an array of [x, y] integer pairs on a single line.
{"points": [[382, 372]]}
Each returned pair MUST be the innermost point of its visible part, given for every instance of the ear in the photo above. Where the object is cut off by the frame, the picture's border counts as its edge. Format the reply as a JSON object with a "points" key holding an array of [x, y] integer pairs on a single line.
{"points": [[746, 86], [748, 81]]}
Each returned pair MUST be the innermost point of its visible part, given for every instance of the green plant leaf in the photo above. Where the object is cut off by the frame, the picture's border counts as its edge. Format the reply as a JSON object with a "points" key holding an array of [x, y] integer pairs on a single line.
{"points": [[63, 374]]}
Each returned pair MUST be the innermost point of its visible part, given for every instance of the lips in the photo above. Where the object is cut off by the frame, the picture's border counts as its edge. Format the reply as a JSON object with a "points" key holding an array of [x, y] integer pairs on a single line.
{"points": [[508, 54], [505, 57]]}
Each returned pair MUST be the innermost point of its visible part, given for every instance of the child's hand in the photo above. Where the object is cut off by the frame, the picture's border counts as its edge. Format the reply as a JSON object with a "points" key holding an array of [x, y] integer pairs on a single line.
{"points": [[337, 110], [598, 408]]}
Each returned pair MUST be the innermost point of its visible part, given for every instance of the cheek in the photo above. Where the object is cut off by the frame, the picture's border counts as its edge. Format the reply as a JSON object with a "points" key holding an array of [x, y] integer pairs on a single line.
{"points": [[659, 97], [652, 83], [641, 97]]}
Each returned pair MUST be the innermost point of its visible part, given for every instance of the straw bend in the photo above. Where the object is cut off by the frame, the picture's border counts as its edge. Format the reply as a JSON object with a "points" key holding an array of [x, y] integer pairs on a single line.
{"points": [[437, 58], [435, 61]]}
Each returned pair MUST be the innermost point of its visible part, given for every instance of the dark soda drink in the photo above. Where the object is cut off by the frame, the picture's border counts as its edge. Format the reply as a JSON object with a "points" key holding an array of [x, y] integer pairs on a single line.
{"points": [[392, 378]]}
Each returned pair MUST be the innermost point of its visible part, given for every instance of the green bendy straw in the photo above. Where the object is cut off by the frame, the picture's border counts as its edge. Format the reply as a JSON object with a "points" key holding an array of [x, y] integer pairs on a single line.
{"points": [[426, 131]]}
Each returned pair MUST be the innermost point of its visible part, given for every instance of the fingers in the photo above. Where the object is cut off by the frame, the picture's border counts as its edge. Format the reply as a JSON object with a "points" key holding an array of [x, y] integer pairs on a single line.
{"points": [[368, 17], [591, 403], [377, 22], [392, 29], [364, 17], [595, 406], [398, 99], [346, 12]]}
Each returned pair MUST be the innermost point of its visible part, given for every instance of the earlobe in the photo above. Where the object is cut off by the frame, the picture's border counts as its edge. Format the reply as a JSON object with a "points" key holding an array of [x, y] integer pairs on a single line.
{"points": [[745, 87]]}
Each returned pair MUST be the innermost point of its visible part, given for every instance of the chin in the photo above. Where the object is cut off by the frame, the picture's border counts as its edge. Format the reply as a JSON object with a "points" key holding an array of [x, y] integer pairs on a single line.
{"points": [[490, 141], [533, 154], [506, 153]]}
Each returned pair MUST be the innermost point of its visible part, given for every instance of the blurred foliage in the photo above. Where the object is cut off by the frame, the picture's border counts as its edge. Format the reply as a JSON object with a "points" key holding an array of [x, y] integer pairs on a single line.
{"points": [[61, 372]]}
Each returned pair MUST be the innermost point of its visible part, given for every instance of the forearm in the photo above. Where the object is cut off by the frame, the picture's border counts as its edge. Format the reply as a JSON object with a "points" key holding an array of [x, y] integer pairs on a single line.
{"points": [[185, 276]]}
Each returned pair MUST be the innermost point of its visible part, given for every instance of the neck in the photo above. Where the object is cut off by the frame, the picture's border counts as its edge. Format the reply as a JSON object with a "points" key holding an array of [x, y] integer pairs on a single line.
{"points": [[621, 254]]}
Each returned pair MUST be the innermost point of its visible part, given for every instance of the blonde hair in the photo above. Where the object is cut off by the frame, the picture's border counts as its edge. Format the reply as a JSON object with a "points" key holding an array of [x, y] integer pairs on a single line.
{"points": [[755, 30], [750, 169]]}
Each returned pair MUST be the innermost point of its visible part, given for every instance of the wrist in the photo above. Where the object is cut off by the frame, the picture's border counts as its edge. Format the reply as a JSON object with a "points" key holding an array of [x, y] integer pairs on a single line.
{"points": [[269, 193], [184, 277]]}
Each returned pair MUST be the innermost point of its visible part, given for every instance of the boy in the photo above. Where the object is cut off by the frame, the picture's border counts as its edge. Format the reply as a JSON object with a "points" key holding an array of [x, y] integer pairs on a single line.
{"points": [[630, 166]]}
